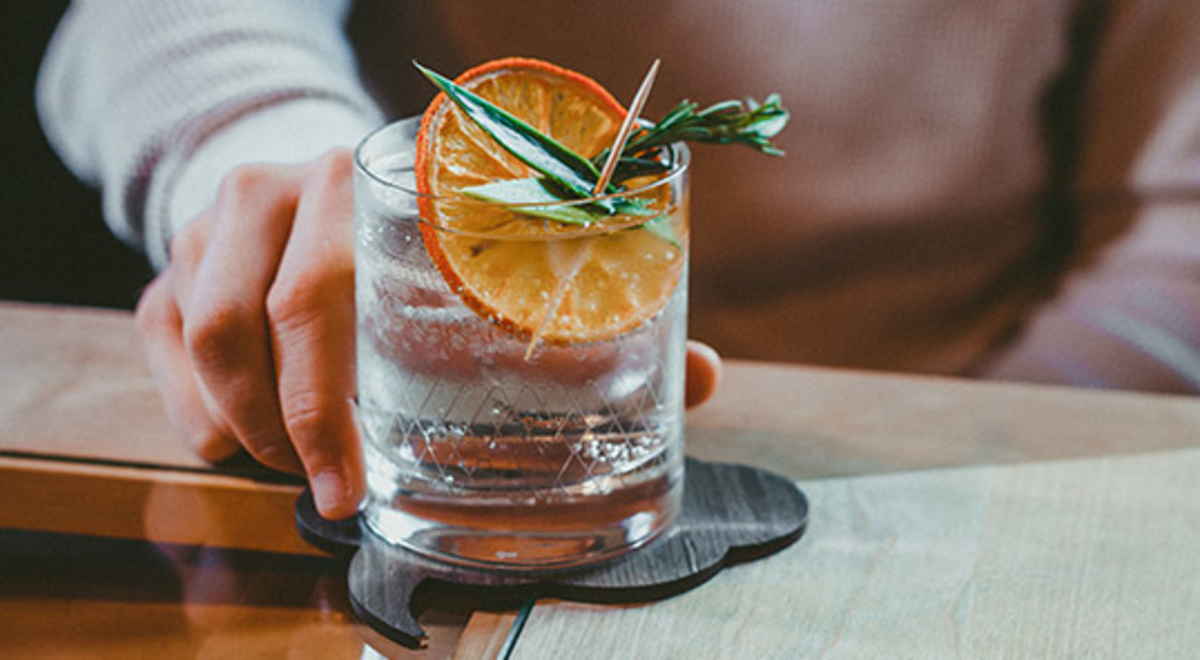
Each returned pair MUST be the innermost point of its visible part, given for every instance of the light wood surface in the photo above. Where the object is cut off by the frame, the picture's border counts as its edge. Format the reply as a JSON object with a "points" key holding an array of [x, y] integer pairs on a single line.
{"points": [[1090, 558], [75, 383], [950, 519], [819, 423]]}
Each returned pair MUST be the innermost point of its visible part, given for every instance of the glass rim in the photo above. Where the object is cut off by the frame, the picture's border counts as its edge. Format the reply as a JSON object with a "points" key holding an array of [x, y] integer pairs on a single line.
{"points": [[681, 163]]}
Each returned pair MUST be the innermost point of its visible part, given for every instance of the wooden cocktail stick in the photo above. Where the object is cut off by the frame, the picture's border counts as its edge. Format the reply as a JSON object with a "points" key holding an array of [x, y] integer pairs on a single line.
{"points": [[635, 109]]}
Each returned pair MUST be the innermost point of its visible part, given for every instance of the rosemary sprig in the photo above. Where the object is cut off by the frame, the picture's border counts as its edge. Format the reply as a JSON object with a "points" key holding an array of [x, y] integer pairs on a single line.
{"points": [[746, 122], [566, 175]]}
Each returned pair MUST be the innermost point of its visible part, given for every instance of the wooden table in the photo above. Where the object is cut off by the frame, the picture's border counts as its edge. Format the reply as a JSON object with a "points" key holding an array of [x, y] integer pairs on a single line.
{"points": [[950, 519]]}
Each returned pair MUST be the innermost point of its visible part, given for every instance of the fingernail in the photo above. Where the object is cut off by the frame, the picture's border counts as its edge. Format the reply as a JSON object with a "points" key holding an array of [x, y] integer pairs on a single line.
{"points": [[331, 495]]}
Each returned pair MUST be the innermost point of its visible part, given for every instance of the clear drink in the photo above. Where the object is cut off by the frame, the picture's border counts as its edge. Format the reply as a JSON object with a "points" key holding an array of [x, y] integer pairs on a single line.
{"points": [[491, 447]]}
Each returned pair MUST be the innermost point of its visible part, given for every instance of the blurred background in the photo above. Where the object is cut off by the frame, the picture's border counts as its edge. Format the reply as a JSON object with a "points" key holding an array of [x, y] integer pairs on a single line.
{"points": [[54, 245]]}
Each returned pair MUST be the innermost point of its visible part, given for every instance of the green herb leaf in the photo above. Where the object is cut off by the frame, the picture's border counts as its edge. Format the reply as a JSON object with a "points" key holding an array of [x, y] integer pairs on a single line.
{"points": [[532, 196], [532, 147], [661, 227]]}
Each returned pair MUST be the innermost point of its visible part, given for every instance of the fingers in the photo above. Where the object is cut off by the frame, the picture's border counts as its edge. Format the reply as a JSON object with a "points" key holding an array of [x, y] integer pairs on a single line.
{"points": [[224, 315], [250, 331], [703, 373], [161, 327], [310, 308]]}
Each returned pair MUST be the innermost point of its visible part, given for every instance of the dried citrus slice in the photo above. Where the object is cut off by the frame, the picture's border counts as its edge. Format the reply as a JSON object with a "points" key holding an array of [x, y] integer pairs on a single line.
{"points": [[541, 279]]}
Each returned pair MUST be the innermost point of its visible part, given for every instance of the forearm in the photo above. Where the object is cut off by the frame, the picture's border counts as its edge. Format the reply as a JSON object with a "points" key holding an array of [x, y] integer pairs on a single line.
{"points": [[148, 99]]}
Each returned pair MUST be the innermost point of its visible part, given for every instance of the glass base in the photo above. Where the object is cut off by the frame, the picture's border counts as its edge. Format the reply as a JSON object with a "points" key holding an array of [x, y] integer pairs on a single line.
{"points": [[541, 537]]}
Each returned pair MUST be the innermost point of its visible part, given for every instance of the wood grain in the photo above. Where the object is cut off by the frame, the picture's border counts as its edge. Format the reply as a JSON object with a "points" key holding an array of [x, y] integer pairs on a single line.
{"points": [[811, 423], [87, 455], [152, 504], [950, 519], [90, 597], [75, 383], [485, 635], [1089, 558]]}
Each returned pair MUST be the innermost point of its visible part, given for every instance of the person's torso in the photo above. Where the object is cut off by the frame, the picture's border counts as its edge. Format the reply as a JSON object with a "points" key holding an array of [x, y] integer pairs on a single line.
{"points": [[897, 230]]}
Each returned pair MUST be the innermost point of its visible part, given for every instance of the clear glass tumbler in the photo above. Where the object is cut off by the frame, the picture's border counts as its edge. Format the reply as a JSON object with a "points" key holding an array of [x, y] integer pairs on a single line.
{"points": [[497, 448]]}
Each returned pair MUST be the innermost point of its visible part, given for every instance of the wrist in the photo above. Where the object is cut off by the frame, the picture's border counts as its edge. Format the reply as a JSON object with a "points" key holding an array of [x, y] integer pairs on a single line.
{"points": [[292, 131]]}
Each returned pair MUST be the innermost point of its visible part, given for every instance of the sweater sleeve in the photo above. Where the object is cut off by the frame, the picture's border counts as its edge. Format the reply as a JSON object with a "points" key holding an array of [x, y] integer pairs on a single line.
{"points": [[1128, 315], [153, 100]]}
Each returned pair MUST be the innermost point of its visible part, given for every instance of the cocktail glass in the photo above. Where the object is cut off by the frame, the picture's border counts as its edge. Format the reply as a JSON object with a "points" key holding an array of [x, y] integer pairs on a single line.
{"points": [[492, 443]]}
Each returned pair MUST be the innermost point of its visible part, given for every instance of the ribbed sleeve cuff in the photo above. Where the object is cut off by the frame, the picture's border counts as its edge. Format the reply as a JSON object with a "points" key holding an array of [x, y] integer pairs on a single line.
{"points": [[279, 130]]}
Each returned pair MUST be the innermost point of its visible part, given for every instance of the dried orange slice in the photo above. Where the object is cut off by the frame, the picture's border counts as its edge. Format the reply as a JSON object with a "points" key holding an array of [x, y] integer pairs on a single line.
{"points": [[537, 278]]}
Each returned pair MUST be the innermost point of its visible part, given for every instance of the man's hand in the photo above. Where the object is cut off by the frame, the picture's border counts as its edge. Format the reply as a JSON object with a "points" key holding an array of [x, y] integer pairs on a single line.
{"points": [[250, 331]]}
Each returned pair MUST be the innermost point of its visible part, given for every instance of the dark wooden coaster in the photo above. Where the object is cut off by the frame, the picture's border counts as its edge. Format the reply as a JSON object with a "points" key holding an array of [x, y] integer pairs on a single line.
{"points": [[731, 513]]}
